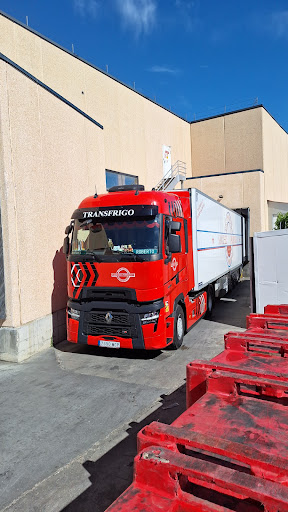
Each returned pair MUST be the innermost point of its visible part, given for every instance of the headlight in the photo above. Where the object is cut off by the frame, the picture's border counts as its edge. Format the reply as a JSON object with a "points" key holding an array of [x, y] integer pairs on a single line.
{"points": [[150, 318], [74, 313]]}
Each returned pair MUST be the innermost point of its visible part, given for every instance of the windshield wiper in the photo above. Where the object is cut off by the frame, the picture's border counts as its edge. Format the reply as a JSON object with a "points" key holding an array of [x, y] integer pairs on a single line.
{"points": [[135, 256], [94, 256]]}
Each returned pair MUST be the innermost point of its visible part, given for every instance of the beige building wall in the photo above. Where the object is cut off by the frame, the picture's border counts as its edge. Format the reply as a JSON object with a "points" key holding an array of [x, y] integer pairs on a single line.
{"points": [[228, 143], [243, 190], [239, 142], [275, 166], [135, 129], [50, 157], [231, 143]]}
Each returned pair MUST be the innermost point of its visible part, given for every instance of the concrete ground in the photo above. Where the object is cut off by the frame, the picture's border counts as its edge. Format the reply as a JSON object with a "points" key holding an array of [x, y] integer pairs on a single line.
{"points": [[70, 415]]}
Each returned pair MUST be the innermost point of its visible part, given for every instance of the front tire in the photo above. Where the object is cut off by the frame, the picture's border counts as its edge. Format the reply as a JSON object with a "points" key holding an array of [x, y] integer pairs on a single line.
{"points": [[179, 328]]}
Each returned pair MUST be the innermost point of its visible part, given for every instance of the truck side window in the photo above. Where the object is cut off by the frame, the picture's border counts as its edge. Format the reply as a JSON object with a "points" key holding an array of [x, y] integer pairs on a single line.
{"points": [[166, 235], [186, 235]]}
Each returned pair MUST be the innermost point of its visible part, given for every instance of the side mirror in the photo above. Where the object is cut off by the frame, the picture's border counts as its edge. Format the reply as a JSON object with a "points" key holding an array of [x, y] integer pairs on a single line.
{"points": [[174, 243], [66, 246], [68, 229], [175, 226]]}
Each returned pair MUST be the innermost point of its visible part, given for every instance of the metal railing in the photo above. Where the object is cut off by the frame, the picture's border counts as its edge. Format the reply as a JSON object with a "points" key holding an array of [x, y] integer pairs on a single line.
{"points": [[173, 176]]}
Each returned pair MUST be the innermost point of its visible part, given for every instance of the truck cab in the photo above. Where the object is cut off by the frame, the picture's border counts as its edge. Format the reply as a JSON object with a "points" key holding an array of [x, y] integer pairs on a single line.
{"points": [[130, 270]]}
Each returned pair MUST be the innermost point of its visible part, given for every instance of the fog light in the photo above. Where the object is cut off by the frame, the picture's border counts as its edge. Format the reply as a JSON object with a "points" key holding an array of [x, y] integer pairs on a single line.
{"points": [[74, 313]]}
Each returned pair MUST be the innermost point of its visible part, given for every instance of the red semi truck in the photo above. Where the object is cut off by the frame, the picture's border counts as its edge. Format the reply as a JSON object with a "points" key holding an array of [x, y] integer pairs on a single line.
{"points": [[144, 266]]}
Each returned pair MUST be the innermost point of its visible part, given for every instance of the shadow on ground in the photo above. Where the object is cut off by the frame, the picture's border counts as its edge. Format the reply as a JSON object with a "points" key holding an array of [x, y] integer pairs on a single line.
{"points": [[121, 353], [234, 307], [113, 472]]}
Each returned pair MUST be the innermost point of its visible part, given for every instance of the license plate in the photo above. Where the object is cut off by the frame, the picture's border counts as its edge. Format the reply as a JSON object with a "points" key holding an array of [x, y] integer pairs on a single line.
{"points": [[109, 344]]}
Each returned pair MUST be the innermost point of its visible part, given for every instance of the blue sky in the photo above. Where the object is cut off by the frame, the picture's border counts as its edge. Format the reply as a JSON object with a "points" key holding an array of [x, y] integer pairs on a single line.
{"points": [[193, 56]]}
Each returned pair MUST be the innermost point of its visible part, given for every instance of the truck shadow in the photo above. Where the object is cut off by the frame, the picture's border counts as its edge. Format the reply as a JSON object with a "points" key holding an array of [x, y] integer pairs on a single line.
{"points": [[121, 353], [59, 297], [234, 307], [113, 472]]}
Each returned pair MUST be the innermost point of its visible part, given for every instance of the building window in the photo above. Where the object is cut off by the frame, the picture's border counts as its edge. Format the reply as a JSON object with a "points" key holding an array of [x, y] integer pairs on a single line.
{"points": [[274, 218], [114, 178]]}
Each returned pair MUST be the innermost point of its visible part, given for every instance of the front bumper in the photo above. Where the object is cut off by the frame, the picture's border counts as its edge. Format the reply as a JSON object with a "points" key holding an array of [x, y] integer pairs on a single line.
{"points": [[125, 326]]}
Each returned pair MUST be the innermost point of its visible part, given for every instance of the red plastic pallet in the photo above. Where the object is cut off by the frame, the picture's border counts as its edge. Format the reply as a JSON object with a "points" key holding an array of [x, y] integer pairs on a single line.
{"points": [[242, 364], [237, 420], [237, 378], [228, 450], [270, 322], [227, 453], [276, 309], [173, 482], [257, 343]]}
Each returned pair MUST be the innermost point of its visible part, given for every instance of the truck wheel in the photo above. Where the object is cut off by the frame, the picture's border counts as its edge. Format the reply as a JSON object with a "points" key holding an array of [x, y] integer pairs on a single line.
{"points": [[210, 301], [238, 275], [179, 328]]}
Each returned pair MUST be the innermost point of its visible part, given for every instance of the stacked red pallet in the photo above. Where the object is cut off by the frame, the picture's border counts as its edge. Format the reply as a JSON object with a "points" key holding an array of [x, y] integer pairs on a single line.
{"points": [[229, 450]]}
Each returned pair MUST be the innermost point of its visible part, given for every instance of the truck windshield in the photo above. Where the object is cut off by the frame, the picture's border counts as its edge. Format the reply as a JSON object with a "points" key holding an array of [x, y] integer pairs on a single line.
{"points": [[141, 236]]}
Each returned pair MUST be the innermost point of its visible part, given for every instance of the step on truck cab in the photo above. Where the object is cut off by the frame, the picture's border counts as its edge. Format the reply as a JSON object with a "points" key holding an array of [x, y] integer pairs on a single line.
{"points": [[144, 266]]}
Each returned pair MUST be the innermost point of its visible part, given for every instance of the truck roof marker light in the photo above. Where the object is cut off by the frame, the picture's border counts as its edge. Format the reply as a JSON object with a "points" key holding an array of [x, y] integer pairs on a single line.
{"points": [[127, 188]]}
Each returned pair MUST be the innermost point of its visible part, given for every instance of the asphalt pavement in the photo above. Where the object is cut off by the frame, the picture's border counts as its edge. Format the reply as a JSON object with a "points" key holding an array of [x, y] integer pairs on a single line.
{"points": [[70, 415]]}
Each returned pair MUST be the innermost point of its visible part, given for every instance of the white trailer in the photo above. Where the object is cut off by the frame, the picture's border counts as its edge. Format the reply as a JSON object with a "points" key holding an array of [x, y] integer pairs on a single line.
{"points": [[270, 268], [219, 242]]}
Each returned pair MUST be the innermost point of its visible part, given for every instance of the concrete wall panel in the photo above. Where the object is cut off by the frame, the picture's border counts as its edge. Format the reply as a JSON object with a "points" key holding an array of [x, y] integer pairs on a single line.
{"points": [[231, 188], [2, 278], [275, 165], [8, 207], [253, 196], [51, 173], [229, 143], [243, 141], [29, 185], [244, 190], [62, 72], [7, 38], [275, 158], [208, 147]]}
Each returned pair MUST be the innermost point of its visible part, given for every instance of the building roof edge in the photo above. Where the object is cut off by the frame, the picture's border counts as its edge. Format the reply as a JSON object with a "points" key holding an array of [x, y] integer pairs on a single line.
{"points": [[48, 89], [237, 112], [14, 20]]}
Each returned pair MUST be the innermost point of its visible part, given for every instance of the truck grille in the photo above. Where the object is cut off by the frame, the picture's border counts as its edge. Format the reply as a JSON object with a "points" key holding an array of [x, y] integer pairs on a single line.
{"points": [[105, 330], [118, 318], [95, 324]]}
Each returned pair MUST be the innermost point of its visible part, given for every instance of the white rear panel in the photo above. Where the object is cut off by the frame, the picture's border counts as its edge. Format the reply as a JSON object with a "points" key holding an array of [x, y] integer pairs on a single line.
{"points": [[217, 239], [270, 263]]}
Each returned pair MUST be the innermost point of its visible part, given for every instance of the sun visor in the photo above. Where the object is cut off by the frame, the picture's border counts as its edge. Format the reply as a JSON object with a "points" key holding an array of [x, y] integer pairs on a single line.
{"points": [[116, 212]]}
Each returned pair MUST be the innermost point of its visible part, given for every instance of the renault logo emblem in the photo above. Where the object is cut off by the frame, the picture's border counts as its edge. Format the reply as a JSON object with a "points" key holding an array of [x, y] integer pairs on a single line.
{"points": [[108, 317]]}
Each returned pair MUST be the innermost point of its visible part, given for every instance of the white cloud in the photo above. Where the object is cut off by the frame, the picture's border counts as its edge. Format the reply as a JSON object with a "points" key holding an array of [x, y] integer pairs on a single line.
{"points": [[86, 7], [139, 15], [187, 12], [163, 69], [279, 21]]}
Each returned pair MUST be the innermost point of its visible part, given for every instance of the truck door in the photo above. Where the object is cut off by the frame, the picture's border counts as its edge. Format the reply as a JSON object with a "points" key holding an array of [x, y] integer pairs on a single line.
{"points": [[175, 263]]}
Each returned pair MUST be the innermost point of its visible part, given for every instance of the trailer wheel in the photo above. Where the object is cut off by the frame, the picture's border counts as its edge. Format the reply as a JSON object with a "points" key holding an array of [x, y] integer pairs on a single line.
{"points": [[179, 328], [210, 301]]}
